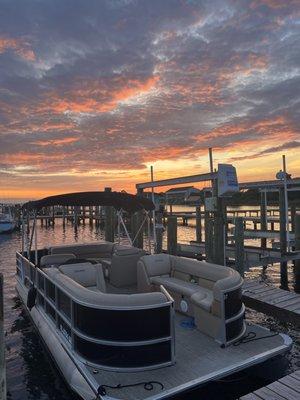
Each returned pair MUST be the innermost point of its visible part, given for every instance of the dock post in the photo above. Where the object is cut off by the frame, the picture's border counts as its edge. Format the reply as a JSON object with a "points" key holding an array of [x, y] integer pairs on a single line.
{"points": [[293, 217], [109, 221], [263, 216], [159, 230], [239, 245], [297, 248], [53, 216], [219, 234], [90, 215], [283, 241], [2, 345], [198, 225], [172, 235], [64, 216], [209, 233]]}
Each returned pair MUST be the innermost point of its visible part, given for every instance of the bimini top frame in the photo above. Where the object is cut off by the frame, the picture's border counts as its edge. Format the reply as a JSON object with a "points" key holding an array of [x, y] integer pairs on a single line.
{"points": [[119, 200]]}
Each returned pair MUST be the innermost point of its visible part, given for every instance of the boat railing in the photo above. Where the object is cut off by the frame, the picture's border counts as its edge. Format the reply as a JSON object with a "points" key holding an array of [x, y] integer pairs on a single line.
{"points": [[118, 338]]}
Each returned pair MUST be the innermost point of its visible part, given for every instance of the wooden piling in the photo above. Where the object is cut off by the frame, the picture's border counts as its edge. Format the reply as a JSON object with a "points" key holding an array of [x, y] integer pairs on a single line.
{"points": [[283, 241], [2, 344], [109, 221], [209, 238], [90, 215], [172, 235], [159, 231], [263, 217], [297, 247], [219, 234], [293, 217], [239, 245], [198, 225], [64, 216]]}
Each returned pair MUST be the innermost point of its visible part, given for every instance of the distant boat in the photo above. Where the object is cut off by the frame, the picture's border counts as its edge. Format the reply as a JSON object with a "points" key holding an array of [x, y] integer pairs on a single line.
{"points": [[7, 221]]}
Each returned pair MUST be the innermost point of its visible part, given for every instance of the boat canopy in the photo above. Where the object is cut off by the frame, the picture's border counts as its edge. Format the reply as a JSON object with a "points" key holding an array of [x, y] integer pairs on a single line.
{"points": [[118, 200]]}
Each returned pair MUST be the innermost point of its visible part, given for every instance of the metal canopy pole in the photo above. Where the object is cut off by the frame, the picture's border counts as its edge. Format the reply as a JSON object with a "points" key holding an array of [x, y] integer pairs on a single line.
{"points": [[141, 226], [126, 231], [119, 213]]}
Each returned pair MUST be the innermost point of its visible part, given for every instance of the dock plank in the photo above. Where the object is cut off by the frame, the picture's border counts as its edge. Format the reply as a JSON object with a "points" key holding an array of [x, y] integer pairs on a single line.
{"points": [[285, 391], [250, 396], [268, 394], [286, 388], [273, 301], [291, 382]]}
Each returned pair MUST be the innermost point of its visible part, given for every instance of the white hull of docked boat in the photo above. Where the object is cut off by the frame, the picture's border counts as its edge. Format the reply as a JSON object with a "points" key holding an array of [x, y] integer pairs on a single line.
{"points": [[6, 227]]}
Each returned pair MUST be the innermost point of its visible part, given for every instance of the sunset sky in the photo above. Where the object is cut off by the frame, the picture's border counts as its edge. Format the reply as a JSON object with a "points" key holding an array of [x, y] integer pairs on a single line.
{"points": [[94, 92]]}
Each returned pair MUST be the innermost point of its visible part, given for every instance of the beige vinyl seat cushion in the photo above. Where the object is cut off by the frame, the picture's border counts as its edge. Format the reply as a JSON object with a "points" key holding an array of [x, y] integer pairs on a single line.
{"points": [[56, 259], [175, 285], [94, 250], [86, 274], [199, 296], [203, 298]]}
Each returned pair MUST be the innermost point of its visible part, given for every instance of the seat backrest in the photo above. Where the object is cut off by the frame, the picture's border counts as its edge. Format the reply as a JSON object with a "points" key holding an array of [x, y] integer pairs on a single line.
{"points": [[56, 259], [205, 274], [123, 269], [101, 285], [157, 264], [85, 273], [86, 250]]}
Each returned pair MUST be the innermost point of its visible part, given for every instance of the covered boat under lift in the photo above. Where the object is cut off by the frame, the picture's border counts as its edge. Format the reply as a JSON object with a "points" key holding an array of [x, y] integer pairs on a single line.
{"points": [[123, 324]]}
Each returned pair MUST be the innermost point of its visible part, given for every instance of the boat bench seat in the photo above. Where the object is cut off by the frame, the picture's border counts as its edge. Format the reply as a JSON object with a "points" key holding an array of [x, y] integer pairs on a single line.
{"points": [[98, 298], [56, 259], [199, 289], [199, 296], [86, 250], [119, 261], [86, 274]]}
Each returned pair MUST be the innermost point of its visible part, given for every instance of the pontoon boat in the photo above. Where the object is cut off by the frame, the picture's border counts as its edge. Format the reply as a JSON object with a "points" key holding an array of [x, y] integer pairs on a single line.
{"points": [[123, 324]]}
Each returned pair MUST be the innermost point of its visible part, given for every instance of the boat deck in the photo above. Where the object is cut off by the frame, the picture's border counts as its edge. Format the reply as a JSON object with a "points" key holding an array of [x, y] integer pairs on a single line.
{"points": [[199, 359]]}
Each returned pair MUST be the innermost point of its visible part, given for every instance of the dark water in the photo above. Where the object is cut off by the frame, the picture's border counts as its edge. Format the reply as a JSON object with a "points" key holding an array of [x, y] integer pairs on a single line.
{"points": [[30, 371]]}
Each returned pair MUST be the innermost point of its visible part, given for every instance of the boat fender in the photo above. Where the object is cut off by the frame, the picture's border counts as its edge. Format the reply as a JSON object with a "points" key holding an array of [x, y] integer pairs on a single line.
{"points": [[31, 297]]}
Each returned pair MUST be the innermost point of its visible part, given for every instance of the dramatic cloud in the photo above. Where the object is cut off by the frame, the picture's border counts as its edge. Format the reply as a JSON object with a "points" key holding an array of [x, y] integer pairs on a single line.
{"points": [[92, 93]]}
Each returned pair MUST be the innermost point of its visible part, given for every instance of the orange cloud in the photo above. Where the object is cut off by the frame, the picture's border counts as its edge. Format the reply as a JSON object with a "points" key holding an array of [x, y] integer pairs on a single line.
{"points": [[56, 142], [19, 46], [103, 96], [22, 158]]}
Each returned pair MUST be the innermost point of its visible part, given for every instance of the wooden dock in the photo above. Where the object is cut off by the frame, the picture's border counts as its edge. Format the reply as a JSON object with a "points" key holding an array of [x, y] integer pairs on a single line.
{"points": [[286, 388], [268, 299], [253, 256]]}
